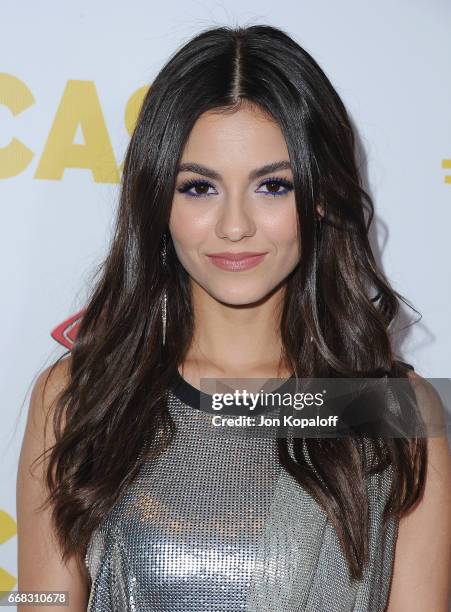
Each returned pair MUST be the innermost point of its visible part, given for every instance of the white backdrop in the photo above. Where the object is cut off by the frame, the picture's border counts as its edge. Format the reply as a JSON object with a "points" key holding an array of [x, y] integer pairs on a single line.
{"points": [[70, 71]]}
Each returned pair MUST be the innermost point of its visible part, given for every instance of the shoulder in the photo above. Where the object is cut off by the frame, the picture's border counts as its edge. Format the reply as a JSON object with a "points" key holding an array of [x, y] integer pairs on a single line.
{"points": [[438, 481], [39, 434], [52, 380], [47, 388], [424, 533]]}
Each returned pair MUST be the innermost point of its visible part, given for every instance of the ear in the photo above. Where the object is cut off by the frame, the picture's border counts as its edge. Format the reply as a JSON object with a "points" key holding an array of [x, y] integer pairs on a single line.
{"points": [[320, 210]]}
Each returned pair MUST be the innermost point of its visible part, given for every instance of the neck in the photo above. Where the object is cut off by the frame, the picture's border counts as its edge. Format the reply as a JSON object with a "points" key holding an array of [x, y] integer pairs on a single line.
{"points": [[235, 340]]}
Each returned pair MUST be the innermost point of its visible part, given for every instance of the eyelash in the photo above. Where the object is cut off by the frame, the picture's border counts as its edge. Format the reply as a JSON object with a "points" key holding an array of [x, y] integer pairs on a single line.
{"points": [[189, 183]]}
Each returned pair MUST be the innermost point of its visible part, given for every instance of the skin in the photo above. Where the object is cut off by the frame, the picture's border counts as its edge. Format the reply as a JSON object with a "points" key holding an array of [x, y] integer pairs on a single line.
{"points": [[236, 334], [236, 313]]}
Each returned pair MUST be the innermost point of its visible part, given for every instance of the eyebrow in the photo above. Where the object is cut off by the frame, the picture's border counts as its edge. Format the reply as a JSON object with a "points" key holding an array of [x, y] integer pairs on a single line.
{"points": [[256, 173]]}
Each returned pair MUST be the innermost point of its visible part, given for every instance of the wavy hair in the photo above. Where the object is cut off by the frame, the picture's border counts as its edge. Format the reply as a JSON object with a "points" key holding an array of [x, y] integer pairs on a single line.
{"points": [[112, 413]]}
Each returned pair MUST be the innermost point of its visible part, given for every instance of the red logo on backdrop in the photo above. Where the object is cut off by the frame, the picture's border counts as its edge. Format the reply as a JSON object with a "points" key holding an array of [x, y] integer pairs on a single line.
{"points": [[66, 332]]}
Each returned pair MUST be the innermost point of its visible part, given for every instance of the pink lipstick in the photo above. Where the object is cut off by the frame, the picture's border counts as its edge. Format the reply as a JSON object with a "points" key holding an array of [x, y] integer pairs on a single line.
{"points": [[236, 262]]}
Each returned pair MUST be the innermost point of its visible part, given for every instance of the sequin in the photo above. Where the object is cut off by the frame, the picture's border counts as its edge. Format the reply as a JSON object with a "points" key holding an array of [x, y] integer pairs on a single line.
{"points": [[216, 524]]}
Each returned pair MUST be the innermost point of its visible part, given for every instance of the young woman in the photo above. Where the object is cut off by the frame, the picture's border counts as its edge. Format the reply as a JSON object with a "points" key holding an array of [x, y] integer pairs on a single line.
{"points": [[241, 250]]}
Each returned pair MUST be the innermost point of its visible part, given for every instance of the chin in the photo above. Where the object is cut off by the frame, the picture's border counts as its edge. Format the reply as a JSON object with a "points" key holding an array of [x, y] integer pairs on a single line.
{"points": [[239, 297]]}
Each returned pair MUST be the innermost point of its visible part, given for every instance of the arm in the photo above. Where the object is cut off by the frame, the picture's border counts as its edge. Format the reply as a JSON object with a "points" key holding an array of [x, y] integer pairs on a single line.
{"points": [[40, 566], [422, 564]]}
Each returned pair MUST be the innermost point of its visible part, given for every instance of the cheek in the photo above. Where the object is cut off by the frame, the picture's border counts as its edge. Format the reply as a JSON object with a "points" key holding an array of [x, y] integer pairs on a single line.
{"points": [[188, 228], [281, 227]]}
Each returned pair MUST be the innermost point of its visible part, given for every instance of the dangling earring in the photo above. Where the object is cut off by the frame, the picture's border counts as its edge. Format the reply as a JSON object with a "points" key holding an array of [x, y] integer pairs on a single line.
{"points": [[164, 297]]}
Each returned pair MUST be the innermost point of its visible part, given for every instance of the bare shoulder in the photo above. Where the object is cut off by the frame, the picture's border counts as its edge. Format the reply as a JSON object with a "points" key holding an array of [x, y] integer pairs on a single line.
{"points": [[429, 402], [40, 565], [46, 390], [422, 564], [49, 385]]}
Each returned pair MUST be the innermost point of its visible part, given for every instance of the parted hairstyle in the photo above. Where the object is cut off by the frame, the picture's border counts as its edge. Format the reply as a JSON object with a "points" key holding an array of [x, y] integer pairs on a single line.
{"points": [[112, 414]]}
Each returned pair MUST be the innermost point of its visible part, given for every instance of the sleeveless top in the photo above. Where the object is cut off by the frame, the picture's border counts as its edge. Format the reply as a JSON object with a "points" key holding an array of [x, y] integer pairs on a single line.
{"points": [[216, 524]]}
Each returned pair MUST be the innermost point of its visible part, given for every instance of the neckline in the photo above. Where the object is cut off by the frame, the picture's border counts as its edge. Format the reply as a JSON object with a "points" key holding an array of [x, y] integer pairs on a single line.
{"points": [[195, 398]]}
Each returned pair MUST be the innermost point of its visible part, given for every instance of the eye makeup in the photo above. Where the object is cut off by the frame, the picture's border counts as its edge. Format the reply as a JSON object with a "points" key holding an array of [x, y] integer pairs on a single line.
{"points": [[273, 181]]}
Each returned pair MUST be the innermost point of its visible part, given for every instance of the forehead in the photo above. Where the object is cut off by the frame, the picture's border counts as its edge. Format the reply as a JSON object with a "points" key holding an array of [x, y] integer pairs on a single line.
{"points": [[246, 137]]}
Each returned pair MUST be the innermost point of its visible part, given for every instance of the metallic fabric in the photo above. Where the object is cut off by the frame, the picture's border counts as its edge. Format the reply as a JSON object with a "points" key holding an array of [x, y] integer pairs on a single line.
{"points": [[216, 524]]}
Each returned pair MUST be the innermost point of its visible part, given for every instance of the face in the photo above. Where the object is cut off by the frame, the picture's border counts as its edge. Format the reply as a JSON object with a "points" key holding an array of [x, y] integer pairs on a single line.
{"points": [[225, 201]]}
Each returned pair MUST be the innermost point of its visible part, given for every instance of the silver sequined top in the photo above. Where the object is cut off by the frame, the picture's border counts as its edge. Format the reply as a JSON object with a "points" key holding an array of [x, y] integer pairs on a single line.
{"points": [[216, 524]]}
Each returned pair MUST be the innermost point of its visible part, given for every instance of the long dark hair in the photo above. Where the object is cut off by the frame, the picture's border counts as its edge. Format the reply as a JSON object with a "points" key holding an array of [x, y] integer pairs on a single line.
{"points": [[112, 413]]}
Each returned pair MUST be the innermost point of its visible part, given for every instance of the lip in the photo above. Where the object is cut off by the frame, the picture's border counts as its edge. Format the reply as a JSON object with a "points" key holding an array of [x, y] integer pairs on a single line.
{"points": [[236, 262], [236, 256]]}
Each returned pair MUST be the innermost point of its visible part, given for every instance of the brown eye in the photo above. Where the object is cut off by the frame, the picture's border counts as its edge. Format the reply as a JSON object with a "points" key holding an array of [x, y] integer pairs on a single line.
{"points": [[201, 188], [273, 187], [195, 188], [276, 186]]}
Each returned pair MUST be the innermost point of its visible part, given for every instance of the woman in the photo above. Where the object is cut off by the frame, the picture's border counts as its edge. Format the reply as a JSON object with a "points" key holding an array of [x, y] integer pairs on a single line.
{"points": [[241, 250]]}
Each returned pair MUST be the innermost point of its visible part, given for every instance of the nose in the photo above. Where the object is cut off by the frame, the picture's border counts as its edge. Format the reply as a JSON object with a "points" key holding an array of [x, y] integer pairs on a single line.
{"points": [[235, 219]]}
